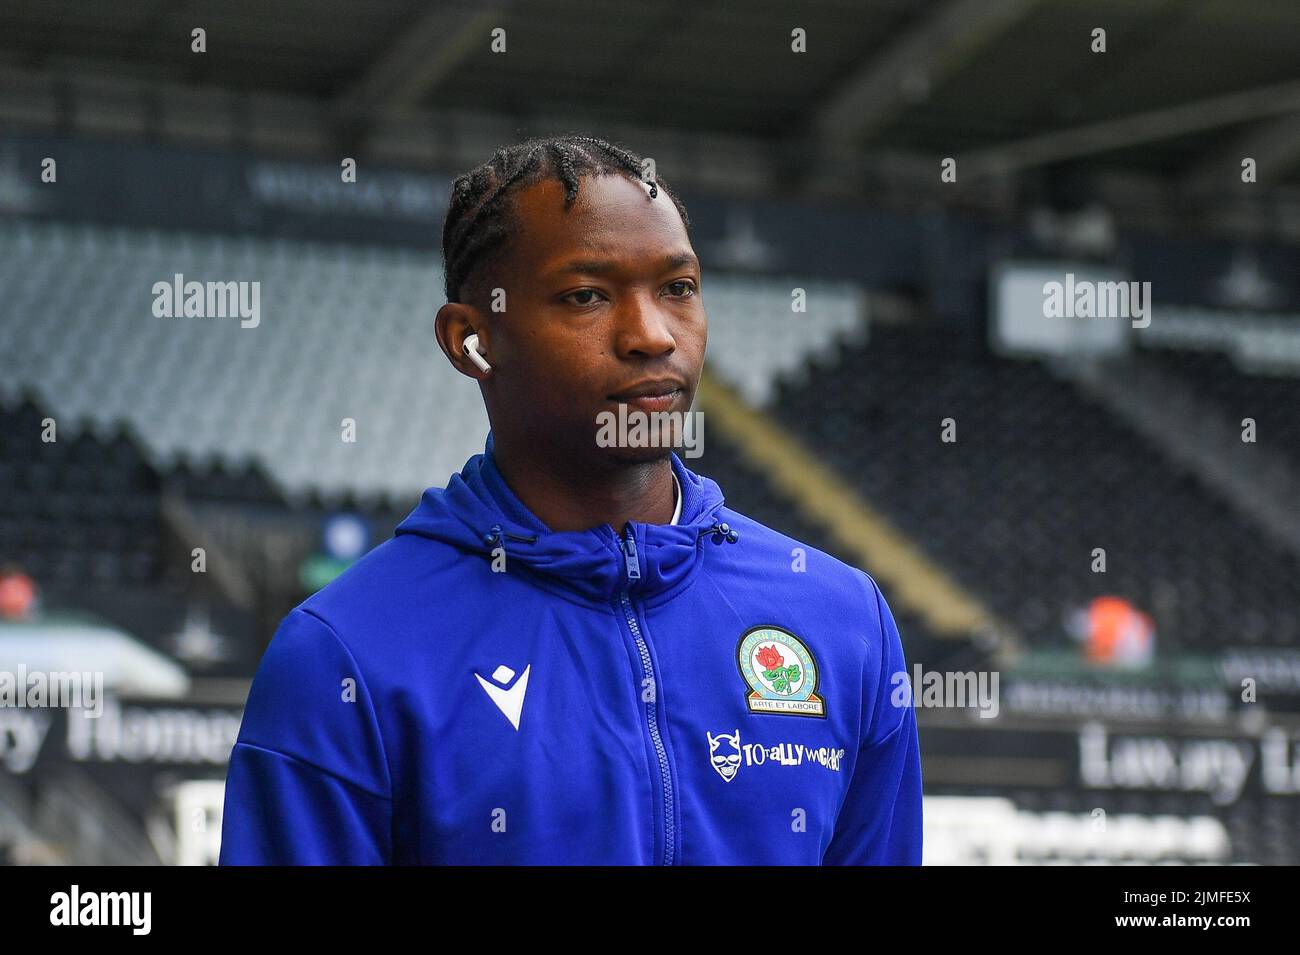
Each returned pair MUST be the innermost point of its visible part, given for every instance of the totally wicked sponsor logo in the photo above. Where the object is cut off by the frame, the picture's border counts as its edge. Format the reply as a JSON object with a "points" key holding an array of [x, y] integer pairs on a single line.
{"points": [[728, 754]]}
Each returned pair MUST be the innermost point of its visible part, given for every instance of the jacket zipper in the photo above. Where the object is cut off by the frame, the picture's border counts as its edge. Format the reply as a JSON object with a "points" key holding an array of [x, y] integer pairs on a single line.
{"points": [[633, 565]]}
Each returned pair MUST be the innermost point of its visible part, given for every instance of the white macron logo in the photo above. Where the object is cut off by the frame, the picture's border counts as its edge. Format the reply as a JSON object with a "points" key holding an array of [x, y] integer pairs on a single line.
{"points": [[509, 701]]}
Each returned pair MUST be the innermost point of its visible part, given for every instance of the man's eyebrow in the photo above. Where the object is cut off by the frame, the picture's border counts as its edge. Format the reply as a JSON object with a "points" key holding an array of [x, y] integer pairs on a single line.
{"points": [[678, 259], [602, 266]]}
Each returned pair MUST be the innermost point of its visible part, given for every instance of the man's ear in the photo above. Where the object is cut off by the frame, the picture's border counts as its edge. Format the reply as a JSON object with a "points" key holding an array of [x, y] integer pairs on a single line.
{"points": [[455, 322]]}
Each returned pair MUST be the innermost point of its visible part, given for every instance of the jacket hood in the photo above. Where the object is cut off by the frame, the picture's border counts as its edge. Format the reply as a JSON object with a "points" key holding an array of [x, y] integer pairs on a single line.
{"points": [[477, 512]]}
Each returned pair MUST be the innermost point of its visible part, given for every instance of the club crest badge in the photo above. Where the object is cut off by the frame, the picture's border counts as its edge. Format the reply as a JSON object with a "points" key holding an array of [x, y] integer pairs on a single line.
{"points": [[780, 671]]}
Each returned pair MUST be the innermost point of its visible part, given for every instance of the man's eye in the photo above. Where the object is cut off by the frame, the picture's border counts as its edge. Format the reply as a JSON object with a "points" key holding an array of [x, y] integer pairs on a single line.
{"points": [[687, 284], [582, 291]]}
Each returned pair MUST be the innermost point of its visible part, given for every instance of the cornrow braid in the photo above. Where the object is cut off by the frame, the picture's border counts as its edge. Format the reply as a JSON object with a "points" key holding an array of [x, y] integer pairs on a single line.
{"points": [[479, 220]]}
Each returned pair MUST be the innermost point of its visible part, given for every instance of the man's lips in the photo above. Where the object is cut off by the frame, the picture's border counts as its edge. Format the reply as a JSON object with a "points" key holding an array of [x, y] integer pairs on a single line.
{"points": [[650, 388], [652, 402]]}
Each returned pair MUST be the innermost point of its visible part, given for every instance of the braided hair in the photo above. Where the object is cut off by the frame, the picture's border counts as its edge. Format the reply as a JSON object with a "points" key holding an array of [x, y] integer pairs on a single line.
{"points": [[479, 219]]}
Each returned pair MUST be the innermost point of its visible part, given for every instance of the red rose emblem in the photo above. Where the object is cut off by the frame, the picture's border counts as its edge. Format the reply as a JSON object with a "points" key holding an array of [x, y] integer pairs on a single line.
{"points": [[770, 658]]}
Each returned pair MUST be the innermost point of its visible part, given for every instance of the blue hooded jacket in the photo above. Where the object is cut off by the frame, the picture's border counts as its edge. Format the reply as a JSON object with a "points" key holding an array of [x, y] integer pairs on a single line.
{"points": [[480, 689]]}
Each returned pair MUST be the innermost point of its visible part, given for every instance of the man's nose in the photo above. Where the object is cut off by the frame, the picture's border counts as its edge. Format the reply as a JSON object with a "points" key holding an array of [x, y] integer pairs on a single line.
{"points": [[643, 329]]}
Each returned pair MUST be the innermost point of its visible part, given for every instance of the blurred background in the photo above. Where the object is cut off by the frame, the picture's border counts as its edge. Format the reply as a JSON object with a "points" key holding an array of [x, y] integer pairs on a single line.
{"points": [[1102, 511]]}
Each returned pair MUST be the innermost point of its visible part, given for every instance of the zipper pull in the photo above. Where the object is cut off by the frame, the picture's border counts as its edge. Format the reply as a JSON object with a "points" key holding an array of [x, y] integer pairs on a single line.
{"points": [[629, 551]]}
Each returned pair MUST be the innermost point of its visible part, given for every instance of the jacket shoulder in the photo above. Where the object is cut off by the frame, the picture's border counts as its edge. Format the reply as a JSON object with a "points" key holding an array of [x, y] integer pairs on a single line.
{"points": [[840, 589], [823, 569], [390, 579], [311, 702]]}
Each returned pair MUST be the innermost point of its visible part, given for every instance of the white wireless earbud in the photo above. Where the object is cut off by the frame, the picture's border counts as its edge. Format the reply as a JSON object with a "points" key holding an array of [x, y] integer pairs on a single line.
{"points": [[472, 352]]}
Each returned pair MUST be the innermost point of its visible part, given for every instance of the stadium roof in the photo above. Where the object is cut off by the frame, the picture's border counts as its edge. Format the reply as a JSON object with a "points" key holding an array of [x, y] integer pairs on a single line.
{"points": [[886, 88]]}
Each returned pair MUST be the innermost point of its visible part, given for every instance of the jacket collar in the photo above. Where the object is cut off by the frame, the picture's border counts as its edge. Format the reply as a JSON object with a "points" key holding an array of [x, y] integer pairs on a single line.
{"points": [[479, 513]]}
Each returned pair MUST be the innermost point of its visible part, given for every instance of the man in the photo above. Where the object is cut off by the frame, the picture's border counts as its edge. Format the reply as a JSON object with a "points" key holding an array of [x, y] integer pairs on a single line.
{"points": [[575, 653]]}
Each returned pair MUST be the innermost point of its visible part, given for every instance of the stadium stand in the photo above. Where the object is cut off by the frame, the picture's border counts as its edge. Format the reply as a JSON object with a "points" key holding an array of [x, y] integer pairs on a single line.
{"points": [[1257, 340], [1017, 505], [335, 324], [764, 328], [160, 440], [345, 332], [80, 511], [1272, 400]]}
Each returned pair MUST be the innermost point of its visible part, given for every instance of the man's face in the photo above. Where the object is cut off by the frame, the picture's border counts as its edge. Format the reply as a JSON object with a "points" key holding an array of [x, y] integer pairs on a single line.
{"points": [[600, 299]]}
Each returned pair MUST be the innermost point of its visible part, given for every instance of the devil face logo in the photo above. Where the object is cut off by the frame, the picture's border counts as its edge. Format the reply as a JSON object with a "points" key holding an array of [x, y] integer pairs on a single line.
{"points": [[724, 753]]}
